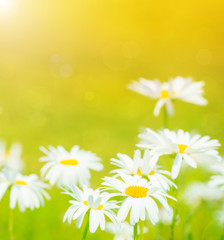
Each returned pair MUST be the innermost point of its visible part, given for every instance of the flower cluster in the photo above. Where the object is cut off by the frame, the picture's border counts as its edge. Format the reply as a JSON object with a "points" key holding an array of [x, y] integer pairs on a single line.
{"points": [[25, 191], [138, 182], [137, 191]]}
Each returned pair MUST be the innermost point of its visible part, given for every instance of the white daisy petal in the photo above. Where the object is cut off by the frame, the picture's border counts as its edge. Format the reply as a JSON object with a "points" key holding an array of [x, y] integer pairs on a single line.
{"points": [[176, 166], [189, 161]]}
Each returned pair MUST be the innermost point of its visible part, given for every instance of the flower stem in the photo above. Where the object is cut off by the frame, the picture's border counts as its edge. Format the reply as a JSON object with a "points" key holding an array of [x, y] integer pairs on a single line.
{"points": [[141, 225], [135, 231], [222, 237], [172, 227], [86, 228], [165, 118], [158, 231], [11, 224], [175, 216], [189, 219]]}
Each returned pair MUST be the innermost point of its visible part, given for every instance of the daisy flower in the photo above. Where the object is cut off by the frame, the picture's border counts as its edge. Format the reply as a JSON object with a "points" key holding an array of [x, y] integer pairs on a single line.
{"points": [[26, 191], [139, 198], [145, 167], [96, 203], [185, 146], [69, 168], [165, 93], [11, 158]]}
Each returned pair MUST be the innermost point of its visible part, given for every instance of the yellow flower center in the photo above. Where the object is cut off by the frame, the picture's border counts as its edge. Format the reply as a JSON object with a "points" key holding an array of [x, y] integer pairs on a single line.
{"points": [[164, 94], [182, 147], [71, 162], [18, 182], [85, 202], [136, 191], [152, 172], [98, 208], [6, 155], [139, 172]]}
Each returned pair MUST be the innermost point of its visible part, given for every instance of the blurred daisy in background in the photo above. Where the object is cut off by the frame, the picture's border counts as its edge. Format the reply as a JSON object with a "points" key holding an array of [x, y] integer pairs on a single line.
{"points": [[11, 158], [92, 202], [121, 231], [26, 191], [181, 88], [139, 194], [220, 216], [144, 167], [197, 192], [217, 181], [183, 145], [188, 90], [156, 90], [217, 167], [69, 168], [166, 217]]}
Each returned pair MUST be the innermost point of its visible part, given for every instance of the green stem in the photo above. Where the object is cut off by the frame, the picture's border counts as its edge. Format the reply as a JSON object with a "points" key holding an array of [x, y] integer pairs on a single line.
{"points": [[204, 235], [135, 231], [158, 231], [165, 118], [175, 214], [189, 219], [172, 227], [222, 237], [141, 225], [86, 228], [11, 224]]}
